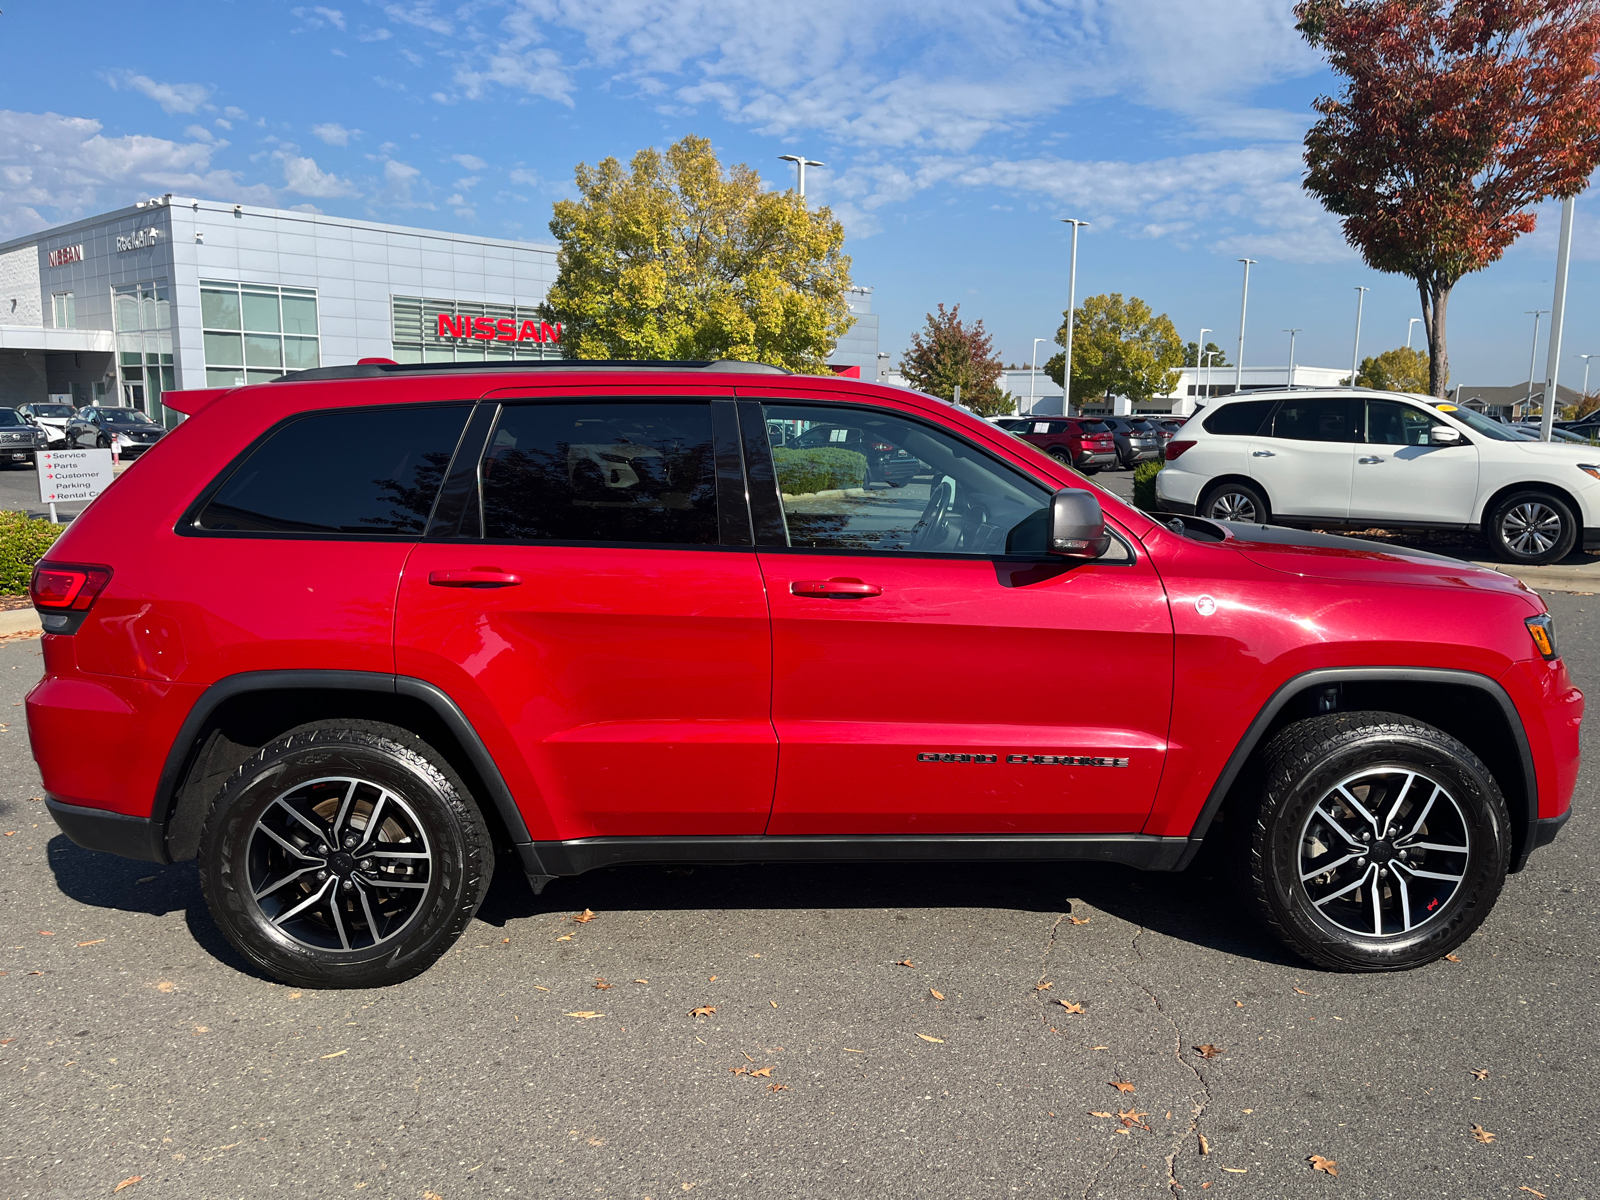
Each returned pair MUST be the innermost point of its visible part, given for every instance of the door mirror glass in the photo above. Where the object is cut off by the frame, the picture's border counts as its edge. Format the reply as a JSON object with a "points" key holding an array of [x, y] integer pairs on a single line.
{"points": [[1443, 435], [1077, 525]]}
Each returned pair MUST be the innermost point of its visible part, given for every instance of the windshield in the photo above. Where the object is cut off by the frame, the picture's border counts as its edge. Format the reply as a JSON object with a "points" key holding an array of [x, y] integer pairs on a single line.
{"points": [[8, 416], [52, 411], [124, 416], [1479, 423]]}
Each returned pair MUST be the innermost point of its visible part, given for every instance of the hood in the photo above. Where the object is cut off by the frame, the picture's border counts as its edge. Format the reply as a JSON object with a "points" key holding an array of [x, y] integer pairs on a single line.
{"points": [[1326, 556]]}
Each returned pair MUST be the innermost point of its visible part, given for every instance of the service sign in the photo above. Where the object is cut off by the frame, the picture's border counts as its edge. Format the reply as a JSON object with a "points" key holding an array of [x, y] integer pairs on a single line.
{"points": [[73, 476]]}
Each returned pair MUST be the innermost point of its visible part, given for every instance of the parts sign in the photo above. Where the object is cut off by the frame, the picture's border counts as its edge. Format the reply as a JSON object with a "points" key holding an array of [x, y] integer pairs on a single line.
{"points": [[73, 476]]}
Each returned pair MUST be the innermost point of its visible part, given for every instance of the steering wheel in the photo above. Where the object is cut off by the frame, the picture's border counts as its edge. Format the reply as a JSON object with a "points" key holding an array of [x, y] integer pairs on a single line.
{"points": [[935, 514]]}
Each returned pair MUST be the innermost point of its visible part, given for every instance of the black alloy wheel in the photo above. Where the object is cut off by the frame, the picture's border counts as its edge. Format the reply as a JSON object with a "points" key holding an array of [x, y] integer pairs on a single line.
{"points": [[344, 854], [1532, 527], [1377, 843], [1235, 501]]}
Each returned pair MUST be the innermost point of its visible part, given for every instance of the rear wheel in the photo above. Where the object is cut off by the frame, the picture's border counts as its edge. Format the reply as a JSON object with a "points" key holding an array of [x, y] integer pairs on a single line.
{"points": [[1378, 843], [1532, 528], [1235, 502], [344, 854]]}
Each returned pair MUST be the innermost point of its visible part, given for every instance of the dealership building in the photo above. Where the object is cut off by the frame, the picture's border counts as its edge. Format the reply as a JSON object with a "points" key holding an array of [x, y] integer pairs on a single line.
{"points": [[182, 293]]}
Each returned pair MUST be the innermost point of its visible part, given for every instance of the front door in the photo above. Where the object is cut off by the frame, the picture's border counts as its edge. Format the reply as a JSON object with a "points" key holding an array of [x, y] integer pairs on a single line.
{"points": [[1304, 462], [1400, 475], [601, 619], [934, 671]]}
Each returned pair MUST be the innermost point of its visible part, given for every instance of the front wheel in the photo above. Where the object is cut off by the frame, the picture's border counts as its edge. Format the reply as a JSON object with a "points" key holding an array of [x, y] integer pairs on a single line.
{"points": [[1378, 843], [1532, 528], [1235, 502], [344, 854]]}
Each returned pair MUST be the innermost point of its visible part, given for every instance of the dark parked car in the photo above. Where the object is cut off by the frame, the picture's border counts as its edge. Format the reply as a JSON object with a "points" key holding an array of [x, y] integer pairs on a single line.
{"points": [[129, 429], [1081, 442], [1138, 440], [19, 441]]}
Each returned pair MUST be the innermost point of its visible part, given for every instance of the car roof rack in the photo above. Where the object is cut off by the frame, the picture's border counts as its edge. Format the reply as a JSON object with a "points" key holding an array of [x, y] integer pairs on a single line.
{"points": [[379, 370]]}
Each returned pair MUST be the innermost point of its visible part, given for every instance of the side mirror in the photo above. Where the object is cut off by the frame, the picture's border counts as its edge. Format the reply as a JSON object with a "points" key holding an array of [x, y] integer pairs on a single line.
{"points": [[1443, 435], [1077, 526]]}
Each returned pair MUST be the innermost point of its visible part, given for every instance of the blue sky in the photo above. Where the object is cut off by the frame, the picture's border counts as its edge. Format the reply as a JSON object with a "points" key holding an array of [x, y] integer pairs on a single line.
{"points": [[955, 134]]}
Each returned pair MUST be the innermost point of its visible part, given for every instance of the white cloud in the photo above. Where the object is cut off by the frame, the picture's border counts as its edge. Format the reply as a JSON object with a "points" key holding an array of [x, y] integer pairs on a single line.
{"points": [[377, 35], [525, 177], [173, 97], [334, 16], [470, 161], [317, 16], [237, 114], [302, 176], [400, 179], [334, 134], [468, 183], [420, 13], [200, 133]]}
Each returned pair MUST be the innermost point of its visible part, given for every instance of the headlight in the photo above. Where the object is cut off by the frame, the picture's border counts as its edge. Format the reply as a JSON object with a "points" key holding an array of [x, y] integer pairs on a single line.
{"points": [[1543, 631]]}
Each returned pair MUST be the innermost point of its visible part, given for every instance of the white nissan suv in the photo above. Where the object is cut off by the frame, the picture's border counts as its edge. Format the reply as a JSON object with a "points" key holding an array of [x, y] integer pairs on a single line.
{"points": [[1359, 458]]}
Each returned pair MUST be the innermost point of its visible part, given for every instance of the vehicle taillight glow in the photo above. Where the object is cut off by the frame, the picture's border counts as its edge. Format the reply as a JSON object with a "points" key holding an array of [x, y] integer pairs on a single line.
{"points": [[1175, 448], [66, 587]]}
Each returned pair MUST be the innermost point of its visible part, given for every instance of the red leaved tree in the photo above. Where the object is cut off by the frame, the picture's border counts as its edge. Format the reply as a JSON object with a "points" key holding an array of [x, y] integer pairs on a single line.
{"points": [[946, 353], [1458, 116]]}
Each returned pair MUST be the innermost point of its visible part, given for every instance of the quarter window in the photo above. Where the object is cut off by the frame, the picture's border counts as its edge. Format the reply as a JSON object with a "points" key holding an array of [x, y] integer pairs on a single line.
{"points": [[1242, 419], [632, 473], [370, 472], [863, 479]]}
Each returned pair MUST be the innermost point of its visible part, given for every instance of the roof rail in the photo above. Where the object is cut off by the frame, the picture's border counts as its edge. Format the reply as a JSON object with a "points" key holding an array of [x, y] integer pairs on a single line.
{"points": [[378, 370]]}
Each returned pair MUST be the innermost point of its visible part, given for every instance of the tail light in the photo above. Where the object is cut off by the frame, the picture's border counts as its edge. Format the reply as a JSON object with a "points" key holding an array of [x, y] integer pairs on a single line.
{"points": [[1176, 448], [64, 592]]}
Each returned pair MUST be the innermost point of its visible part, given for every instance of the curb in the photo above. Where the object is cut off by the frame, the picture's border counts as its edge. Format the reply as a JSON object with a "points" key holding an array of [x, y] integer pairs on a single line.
{"points": [[19, 620], [1552, 579]]}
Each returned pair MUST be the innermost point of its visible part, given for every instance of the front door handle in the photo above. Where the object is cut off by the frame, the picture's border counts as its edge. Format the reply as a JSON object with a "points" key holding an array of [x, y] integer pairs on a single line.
{"points": [[1263, 454], [1371, 458], [477, 577], [835, 589]]}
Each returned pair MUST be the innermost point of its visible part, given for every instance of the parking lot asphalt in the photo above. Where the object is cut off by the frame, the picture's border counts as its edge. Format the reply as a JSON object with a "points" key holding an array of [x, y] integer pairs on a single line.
{"points": [[895, 1031]]}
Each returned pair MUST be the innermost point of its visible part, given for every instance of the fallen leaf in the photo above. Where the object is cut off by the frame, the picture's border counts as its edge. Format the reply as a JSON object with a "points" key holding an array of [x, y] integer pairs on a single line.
{"points": [[1203, 1186], [1079, 920], [96, 942], [51, 933], [1120, 1085], [1205, 1146], [928, 1037], [1125, 1131], [777, 1087], [1208, 1050], [601, 985], [1302, 991], [1099, 1047], [763, 1073], [537, 988], [905, 962], [1237, 1170], [738, 1070], [847, 1050], [774, 1003], [1327, 1166], [641, 981], [1526, 1188], [1101, 1114], [1043, 987], [713, 979], [1130, 1117], [431, 1196], [145, 879], [565, 937], [503, 941], [937, 995], [584, 1016], [336, 1053], [584, 917], [1452, 958], [128, 1182], [1071, 1007], [1480, 1074], [11, 833], [1238, 1004], [705, 1010], [1482, 1134]]}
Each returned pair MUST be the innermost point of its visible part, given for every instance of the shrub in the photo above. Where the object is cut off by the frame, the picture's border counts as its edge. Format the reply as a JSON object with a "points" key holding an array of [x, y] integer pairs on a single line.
{"points": [[819, 469], [23, 542], [1144, 485]]}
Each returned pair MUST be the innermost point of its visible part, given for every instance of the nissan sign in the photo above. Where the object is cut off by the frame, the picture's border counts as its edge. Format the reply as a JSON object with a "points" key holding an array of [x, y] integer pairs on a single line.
{"points": [[487, 329]]}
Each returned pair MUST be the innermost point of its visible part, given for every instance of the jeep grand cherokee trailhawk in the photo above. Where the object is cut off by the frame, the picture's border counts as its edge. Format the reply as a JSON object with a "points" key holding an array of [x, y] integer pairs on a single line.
{"points": [[345, 635]]}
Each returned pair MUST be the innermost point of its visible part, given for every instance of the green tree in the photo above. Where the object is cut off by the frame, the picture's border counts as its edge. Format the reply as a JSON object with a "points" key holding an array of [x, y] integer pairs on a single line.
{"points": [[1119, 348], [676, 258], [1397, 370], [947, 352], [1216, 357]]}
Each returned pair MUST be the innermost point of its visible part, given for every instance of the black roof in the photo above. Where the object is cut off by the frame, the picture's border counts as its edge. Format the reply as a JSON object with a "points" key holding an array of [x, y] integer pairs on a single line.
{"points": [[377, 370]]}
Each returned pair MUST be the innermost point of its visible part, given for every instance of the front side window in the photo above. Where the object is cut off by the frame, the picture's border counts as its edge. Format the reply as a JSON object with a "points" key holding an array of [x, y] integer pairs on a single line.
{"points": [[866, 479], [1391, 423], [629, 473], [364, 471], [1315, 419]]}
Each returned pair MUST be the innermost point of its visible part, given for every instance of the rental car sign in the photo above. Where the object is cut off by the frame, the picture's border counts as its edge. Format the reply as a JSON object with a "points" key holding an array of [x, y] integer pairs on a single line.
{"points": [[487, 329]]}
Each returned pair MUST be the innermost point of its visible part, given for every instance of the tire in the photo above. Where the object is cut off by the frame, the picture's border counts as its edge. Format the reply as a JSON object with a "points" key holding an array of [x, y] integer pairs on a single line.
{"points": [[267, 877], [1064, 457], [1240, 502], [1424, 790], [1531, 527]]}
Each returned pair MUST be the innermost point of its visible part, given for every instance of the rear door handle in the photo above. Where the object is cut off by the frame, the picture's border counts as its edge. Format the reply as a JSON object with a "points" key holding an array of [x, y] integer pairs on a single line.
{"points": [[1371, 458], [477, 577], [1262, 454], [835, 589]]}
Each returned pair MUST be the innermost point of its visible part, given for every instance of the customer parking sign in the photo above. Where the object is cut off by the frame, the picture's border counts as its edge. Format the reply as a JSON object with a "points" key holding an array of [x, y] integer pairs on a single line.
{"points": [[73, 476]]}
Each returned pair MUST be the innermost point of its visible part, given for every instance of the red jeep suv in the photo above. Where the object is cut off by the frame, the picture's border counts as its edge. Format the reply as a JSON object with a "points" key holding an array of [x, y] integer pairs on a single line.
{"points": [[344, 636]]}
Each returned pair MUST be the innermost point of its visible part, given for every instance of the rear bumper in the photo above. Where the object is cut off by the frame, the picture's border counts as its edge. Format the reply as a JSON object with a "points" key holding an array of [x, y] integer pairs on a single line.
{"points": [[1546, 828], [109, 832], [1174, 506]]}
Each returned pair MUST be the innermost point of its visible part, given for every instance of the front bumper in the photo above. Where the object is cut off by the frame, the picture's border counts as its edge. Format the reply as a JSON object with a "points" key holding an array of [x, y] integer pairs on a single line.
{"points": [[110, 832]]}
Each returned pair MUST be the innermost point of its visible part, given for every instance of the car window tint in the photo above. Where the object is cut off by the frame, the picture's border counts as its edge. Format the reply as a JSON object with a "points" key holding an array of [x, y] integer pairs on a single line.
{"points": [[10, 416], [1391, 423], [1243, 418], [372, 471], [602, 473], [1314, 419], [895, 484]]}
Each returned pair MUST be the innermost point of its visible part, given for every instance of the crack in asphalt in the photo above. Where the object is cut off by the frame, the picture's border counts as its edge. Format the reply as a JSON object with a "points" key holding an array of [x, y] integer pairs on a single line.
{"points": [[1197, 1110]]}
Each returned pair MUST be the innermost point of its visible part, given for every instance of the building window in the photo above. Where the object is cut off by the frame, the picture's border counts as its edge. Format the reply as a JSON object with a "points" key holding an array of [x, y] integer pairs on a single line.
{"points": [[420, 331], [142, 316], [254, 332], [66, 312]]}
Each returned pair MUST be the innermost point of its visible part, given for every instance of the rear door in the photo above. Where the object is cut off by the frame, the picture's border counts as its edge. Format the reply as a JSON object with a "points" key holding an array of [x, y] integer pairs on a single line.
{"points": [[934, 671], [1400, 475], [1305, 462], [590, 596]]}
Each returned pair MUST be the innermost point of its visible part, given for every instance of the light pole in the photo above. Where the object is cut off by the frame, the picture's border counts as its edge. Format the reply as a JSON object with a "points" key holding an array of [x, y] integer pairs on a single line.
{"points": [[1291, 333], [801, 162], [1533, 357], [1355, 354], [1586, 358], [1200, 358], [1072, 318], [1558, 310], [1206, 358], [1244, 303], [1033, 374], [1409, 324]]}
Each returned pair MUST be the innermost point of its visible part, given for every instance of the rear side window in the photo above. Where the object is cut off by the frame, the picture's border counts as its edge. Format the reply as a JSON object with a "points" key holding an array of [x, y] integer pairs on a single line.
{"points": [[1243, 418], [1319, 419], [602, 473], [371, 471]]}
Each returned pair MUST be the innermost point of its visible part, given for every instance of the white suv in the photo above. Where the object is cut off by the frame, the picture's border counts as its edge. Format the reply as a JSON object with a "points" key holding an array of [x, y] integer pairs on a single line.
{"points": [[1362, 458]]}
